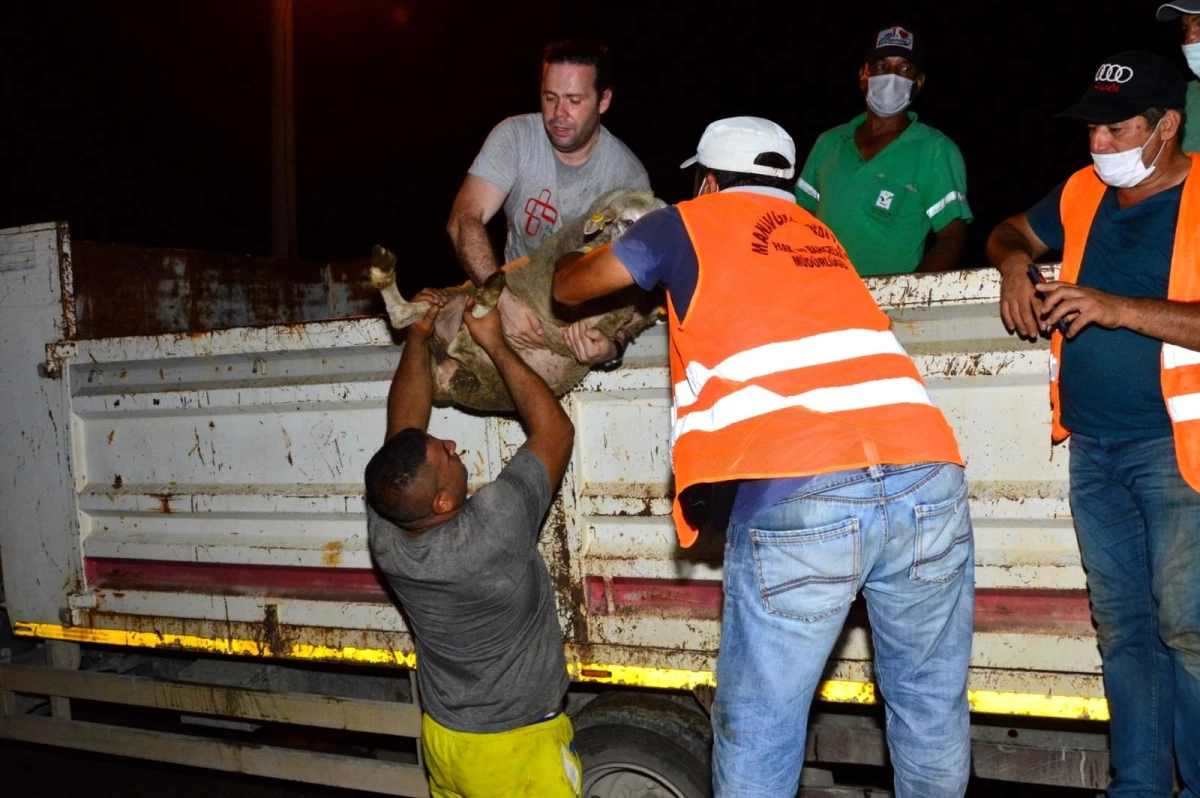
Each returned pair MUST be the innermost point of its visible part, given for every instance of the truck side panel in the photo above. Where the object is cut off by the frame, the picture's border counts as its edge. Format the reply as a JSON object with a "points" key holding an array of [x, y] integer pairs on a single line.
{"points": [[218, 501], [39, 534]]}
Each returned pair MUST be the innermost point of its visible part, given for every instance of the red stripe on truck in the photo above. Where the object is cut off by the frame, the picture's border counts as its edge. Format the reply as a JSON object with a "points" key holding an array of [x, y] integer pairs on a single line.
{"points": [[335, 584], [996, 609]]}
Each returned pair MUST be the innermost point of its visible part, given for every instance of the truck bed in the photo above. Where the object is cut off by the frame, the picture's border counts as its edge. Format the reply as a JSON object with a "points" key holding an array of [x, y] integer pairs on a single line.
{"points": [[182, 468]]}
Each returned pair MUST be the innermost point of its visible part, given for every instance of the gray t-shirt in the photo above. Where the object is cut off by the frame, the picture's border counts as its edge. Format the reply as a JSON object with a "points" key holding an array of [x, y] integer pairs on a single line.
{"points": [[478, 598], [543, 192]]}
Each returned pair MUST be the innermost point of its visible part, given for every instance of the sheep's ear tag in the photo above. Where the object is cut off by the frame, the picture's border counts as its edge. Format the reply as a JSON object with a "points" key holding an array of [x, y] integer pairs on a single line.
{"points": [[594, 224]]}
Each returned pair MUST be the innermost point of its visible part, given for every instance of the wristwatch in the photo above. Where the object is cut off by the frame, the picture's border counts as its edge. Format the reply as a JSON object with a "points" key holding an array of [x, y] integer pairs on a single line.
{"points": [[608, 365]]}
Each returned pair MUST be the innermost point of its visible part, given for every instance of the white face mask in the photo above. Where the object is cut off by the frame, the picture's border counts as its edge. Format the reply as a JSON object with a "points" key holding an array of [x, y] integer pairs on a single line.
{"points": [[1125, 169], [888, 95], [1192, 53]]}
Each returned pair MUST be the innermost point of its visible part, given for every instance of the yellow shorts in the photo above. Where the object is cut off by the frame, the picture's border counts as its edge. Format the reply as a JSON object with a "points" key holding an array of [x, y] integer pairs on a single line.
{"points": [[535, 761]]}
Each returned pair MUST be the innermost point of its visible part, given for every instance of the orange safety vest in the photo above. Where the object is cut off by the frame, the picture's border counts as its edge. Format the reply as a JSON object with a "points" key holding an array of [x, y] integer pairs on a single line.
{"points": [[1179, 367], [784, 365]]}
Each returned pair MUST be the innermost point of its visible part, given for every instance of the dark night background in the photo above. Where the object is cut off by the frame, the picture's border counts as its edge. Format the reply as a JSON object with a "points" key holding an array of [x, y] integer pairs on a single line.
{"points": [[148, 122]]}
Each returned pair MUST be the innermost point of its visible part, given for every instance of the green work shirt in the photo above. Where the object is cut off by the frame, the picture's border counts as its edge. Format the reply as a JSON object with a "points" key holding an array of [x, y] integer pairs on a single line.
{"points": [[1191, 125], [881, 210]]}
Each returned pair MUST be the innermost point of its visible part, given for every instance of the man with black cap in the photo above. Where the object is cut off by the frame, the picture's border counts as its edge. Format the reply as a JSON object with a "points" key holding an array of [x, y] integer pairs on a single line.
{"points": [[1124, 323], [1188, 14], [884, 181], [845, 476]]}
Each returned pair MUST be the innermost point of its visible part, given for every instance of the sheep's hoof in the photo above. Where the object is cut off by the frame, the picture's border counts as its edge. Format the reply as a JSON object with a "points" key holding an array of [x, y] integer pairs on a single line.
{"points": [[383, 267], [488, 294], [381, 278]]}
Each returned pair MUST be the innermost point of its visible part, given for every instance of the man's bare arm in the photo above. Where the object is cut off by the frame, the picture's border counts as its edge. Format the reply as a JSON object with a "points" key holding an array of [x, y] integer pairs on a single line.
{"points": [[551, 434], [946, 251], [477, 202], [1011, 247], [1171, 322], [578, 278], [1163, 319], [411, 394]]}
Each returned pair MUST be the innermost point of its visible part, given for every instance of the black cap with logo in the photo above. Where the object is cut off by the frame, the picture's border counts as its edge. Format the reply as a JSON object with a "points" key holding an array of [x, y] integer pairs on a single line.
{"points": [[1169, 11], [1127, 84], [897, 39]]}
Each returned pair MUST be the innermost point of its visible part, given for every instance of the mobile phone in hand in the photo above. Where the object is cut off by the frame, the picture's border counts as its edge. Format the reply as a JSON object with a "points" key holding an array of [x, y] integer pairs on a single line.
{"points": [[1035, 277]]}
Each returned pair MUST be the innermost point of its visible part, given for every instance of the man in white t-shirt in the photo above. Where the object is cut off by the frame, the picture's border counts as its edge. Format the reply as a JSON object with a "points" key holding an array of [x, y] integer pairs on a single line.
{"points": [[545, 170]]}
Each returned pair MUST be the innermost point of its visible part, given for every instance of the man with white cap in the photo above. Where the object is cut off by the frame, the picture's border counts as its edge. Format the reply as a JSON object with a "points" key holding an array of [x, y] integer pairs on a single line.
{"points": [[794, 402], [1188, 14]]}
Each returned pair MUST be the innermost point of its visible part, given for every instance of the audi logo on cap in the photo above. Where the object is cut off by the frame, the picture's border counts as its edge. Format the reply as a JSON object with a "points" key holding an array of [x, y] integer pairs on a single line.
{"points": [[1114, 73]]}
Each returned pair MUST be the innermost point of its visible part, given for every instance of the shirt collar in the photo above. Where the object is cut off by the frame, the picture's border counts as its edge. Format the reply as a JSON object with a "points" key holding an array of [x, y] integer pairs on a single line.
{"points": [[766, 191], [913, 131]]}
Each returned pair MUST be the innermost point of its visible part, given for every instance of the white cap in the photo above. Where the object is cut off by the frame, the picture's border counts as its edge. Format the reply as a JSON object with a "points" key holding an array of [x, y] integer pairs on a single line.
{"points": [[732, 144]]}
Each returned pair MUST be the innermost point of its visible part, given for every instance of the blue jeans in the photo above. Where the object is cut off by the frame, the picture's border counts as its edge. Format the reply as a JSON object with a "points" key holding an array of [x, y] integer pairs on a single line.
{"points": [[902, 534], [1138, 524]]}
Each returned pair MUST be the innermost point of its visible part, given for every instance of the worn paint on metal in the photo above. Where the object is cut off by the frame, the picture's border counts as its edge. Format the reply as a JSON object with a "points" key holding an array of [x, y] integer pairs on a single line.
{"points": [[66, 276], [180, 290], [58, 355], [959, 287]]}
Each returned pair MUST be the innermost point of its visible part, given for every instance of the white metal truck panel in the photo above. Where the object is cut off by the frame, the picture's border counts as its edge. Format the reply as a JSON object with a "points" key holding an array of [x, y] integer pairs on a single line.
{"points": [[39, 530]]}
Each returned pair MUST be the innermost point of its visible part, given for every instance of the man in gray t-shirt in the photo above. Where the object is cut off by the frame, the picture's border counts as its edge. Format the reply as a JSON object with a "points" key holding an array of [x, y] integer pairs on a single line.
{"points": [[545, 169], [477, 591], [469, 577], [544, 193]]}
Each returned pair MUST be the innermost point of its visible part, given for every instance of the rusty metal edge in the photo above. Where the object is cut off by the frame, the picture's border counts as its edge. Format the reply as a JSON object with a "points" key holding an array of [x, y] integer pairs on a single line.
{"points": [[66, 276]]}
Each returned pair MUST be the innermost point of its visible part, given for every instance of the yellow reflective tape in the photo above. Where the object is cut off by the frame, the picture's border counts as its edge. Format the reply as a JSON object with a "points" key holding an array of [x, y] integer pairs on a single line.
{"points": [[220, 645], [844, 692], [989, 702], [375, 656], [118, 637], [678, 679], [636, 676]]}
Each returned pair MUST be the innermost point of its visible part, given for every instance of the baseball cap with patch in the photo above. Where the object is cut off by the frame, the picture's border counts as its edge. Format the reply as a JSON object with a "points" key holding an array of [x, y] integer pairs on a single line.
{"points": [[898, 39], [1127, 84], [1169, 11], [733, 144]]}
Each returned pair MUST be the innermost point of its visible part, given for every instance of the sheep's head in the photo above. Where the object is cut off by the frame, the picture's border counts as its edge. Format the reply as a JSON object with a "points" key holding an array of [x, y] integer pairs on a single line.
{"points": [[616, 211]]}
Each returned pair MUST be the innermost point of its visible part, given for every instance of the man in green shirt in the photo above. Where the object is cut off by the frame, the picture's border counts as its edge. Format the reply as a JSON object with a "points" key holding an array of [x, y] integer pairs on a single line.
{"points": [[884, 181], [1188, 14]]}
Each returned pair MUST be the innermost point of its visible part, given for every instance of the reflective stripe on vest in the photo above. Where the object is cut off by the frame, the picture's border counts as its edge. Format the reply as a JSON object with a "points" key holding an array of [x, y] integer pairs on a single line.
{"points": [[754, 401], [784, 365], [776, 357], [1179, 367], [1187, 406]]}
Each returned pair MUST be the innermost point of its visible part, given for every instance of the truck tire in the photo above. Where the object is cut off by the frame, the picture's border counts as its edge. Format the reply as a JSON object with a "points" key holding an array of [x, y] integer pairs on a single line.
{"points": [[636, 745]]}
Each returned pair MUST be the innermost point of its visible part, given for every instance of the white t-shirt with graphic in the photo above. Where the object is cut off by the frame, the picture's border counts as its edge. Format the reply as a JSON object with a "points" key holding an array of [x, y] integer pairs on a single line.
{"points": [[543, 192]]}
